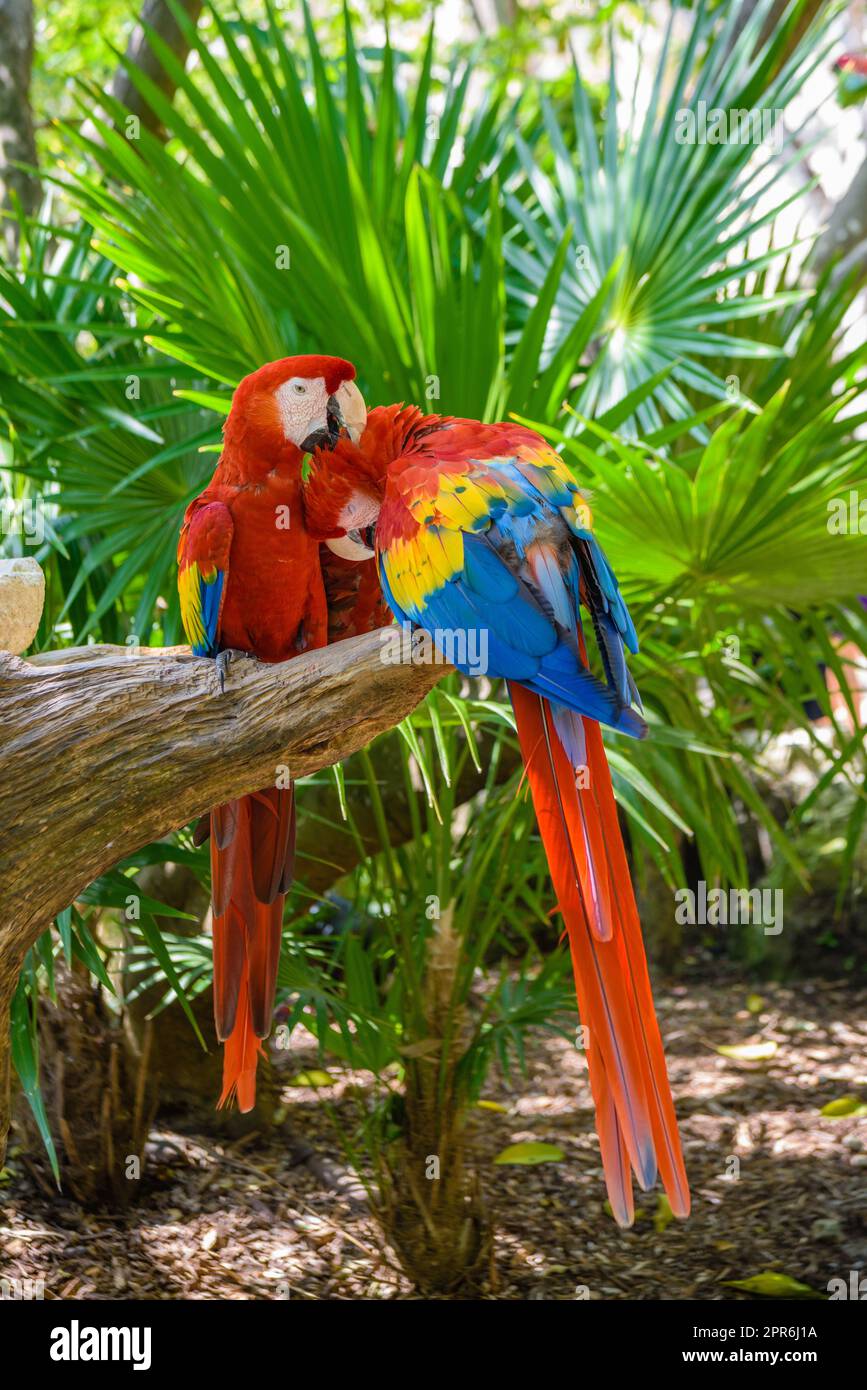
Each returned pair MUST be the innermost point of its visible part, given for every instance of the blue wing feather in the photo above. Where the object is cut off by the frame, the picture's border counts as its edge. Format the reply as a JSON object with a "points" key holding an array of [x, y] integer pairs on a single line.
{"points": [[211, 598], [203, 564], [516, 590]]}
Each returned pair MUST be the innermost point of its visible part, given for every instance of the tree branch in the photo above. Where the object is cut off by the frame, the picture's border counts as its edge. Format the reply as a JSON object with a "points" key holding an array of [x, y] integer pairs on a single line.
{"points": [[104, 749]]}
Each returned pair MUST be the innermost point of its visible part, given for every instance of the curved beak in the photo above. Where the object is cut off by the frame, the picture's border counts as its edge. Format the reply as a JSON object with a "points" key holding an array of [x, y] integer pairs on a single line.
{"points": [[345, 411], [354, 545], [325, 433], [354, 410]]}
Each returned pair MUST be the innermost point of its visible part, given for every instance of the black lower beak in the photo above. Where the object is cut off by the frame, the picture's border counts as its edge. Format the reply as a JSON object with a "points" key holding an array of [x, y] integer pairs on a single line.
{"points": [[364, 538], [336, 422], [328, 437]]}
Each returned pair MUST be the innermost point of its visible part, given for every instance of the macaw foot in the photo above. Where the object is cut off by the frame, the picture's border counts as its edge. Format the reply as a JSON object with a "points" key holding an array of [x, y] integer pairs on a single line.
{"points": [[224, 660]]}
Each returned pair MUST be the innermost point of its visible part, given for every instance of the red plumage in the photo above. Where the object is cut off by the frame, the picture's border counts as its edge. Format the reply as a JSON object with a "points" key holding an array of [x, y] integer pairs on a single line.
{"points": [[246, 533], [852, 62], [626, 1065]]}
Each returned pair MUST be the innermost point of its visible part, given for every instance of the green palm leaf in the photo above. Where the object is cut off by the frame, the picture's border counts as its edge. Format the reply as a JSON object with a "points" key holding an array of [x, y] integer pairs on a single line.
{"points": [[679, 218]]}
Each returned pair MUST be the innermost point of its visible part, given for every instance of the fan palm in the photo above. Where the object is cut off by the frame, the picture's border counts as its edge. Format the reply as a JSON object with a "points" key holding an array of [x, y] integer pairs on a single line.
{"points": [[679, 218]]}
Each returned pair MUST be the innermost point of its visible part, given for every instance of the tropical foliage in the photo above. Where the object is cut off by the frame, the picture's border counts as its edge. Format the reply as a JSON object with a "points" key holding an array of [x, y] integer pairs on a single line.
{"points": [[480, 254]]}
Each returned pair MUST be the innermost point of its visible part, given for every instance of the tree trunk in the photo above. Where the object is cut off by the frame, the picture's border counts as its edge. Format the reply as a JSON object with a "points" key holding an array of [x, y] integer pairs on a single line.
{"points": [[100, 1099], [17, 141], [157, 16], [846, 233], [430, 1202], [845, 237], [105, 749]]}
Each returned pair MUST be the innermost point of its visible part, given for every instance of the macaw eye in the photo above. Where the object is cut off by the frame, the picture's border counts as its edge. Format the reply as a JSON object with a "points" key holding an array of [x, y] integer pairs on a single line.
{"points": [[299, 388]]}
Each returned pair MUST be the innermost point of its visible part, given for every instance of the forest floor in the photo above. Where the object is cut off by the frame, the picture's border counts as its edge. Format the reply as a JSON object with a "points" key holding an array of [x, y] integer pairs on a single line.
{"points": [[777, 1187]]}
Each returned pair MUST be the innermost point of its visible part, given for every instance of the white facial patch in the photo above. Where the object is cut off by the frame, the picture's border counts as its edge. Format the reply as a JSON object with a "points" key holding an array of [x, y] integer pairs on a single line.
{"points": [[359, 511], [303, 405]]}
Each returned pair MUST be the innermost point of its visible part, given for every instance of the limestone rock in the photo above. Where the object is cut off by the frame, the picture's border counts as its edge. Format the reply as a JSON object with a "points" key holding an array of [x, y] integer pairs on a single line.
{"points": [[22, 596]]}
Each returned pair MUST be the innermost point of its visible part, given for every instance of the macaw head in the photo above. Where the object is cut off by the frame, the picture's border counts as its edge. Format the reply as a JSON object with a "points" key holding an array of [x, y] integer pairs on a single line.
{"points": [[305, 401], [342, 499]]}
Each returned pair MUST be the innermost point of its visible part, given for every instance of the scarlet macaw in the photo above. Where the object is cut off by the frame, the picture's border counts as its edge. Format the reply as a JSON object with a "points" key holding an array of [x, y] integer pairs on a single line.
{"points": [[249, 579], [481, 530], [851, 71]]}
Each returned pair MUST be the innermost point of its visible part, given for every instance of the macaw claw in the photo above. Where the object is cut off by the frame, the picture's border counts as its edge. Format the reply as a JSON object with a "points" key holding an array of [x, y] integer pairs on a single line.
{"points": [[224, 660]]}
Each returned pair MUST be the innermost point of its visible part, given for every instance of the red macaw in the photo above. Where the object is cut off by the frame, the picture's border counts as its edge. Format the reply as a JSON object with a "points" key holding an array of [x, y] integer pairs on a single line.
{"points": [[250, 580], [352, 587], [851, 69], [480, 532]]}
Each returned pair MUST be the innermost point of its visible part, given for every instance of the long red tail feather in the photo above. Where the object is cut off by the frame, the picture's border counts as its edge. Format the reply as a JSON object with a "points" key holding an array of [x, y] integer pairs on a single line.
{"points": [[252, 852], [612, 1144], [587, 860], [240, 1055], [664, 1121]]}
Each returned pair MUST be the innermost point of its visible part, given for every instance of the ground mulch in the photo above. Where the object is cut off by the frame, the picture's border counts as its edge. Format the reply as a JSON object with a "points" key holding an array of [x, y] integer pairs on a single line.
{"points": [[776, 1185]]}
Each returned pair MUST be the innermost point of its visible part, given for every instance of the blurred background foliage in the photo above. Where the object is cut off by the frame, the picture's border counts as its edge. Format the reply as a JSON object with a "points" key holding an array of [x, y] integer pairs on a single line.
{"points": [[485, 224]]}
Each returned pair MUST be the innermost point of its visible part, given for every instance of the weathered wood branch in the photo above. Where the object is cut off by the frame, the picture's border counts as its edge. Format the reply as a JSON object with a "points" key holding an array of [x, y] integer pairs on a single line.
{"points": [[104, 749]]}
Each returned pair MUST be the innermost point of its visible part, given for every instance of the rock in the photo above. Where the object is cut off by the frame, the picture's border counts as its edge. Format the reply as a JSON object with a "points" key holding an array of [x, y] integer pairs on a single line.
{"points": [[22, 596]]}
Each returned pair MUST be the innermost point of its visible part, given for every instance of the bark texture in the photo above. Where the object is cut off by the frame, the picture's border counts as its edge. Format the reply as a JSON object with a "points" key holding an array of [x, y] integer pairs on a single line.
{"points": [[430, 1204], [104, 749], [17, 140], [156, 15]]}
